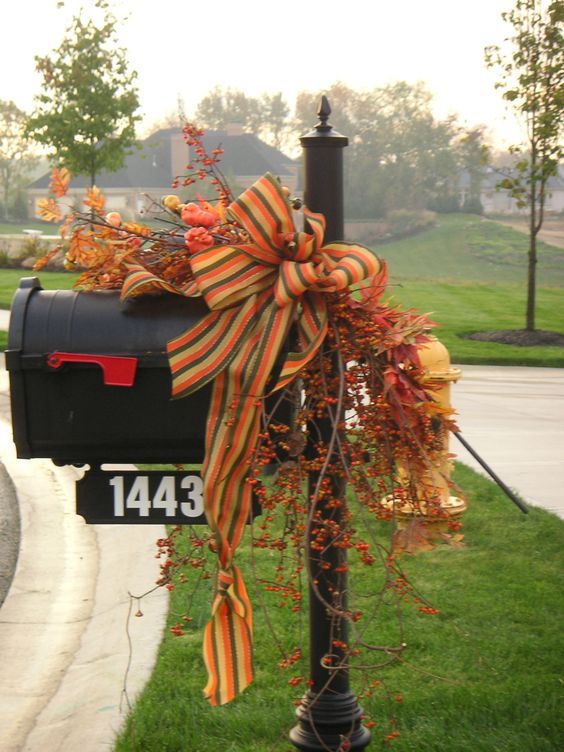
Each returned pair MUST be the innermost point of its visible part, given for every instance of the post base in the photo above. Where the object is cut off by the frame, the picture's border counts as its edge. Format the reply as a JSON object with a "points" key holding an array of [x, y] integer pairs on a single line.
{"points": [[325, 721]]}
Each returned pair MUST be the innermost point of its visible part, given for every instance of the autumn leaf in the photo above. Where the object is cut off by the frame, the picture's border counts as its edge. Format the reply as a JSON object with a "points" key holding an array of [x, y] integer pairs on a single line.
{"points": [[94, 199], [59, 181], [137, 229], [48, 210], [455, 541], [413, 538], [367, 295], [85, 251], [44, 260], [65, 226], [107, 233]]}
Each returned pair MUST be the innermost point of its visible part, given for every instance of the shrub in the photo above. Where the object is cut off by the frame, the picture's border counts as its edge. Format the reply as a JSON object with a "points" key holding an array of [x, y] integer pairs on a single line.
{"points": [[18, 209], [5, 260], [405, 222], [32, 247], [445, 204], [472, 206]]}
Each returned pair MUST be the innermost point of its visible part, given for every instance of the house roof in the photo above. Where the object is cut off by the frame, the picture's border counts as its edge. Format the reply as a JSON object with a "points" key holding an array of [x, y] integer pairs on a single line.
{"points": [[150, 165]]}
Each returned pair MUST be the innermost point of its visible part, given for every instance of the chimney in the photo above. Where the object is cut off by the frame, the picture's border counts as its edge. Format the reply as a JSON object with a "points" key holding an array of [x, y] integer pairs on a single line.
{"points": [[179, 155], [234, 129]]}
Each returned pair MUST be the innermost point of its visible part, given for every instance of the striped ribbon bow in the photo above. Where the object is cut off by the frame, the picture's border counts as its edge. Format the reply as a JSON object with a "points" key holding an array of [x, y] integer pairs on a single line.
{"points": [[255, 292]]}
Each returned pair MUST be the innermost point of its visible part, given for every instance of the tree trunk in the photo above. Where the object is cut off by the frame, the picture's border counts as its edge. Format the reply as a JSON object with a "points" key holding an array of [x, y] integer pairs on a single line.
{"points": [[532, 265], [7, 192]]}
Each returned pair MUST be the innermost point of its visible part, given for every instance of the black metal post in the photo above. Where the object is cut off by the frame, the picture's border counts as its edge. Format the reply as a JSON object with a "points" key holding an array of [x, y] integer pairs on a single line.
{"points": [[329, 717]]}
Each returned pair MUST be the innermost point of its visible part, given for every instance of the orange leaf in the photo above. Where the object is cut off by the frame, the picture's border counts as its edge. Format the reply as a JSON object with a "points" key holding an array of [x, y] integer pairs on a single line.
{"points": [[47, 209], [44, 260], [453, 540], [94, 199], [66, 224], [59, 181], [84, 250], [413, 538], [137, 229]]}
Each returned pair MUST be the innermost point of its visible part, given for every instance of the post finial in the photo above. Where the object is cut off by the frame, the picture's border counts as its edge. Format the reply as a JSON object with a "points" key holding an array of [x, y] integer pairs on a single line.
{"points": [[323, 134], [323, 114]]}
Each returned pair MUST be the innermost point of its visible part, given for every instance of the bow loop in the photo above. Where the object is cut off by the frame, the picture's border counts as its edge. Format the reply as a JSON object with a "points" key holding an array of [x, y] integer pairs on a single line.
{"points": [[226, 275], [293, 280], [264, 212]]}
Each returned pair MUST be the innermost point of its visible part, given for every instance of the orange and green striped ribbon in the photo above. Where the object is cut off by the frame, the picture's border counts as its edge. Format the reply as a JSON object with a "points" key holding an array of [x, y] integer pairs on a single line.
{"points": [[141, 280], [255, 292]]}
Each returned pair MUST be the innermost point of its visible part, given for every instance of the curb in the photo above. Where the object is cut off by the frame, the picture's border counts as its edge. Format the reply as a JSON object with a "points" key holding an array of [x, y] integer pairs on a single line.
{"points": [[9, 532]]}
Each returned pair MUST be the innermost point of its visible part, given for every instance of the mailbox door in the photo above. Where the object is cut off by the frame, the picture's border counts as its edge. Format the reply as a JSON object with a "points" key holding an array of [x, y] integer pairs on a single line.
{"points": [[69, 414]]}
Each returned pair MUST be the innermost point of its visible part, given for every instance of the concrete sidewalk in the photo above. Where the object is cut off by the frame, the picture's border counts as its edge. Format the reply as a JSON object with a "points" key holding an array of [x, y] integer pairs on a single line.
{"points": [[64, 628]]}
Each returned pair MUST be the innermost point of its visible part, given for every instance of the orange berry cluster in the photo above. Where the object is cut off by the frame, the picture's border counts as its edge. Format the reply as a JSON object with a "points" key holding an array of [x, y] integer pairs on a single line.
{"points": [[204, 165]]}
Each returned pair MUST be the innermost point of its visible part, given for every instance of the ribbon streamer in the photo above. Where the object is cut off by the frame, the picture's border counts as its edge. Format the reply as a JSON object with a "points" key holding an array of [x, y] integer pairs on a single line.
{"points": [[255, 292]]}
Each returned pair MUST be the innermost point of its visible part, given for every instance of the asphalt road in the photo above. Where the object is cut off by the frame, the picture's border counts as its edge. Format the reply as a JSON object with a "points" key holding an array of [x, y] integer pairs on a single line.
{"points": [[514, 419]]}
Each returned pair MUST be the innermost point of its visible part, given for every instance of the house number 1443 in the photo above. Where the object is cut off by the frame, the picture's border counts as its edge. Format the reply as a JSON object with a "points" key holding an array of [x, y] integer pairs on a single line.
{"points": [[171, 494]]}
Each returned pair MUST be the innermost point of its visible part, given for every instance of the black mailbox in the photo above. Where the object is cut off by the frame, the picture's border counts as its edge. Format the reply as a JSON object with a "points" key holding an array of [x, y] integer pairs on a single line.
{"points": [[90, 382]]}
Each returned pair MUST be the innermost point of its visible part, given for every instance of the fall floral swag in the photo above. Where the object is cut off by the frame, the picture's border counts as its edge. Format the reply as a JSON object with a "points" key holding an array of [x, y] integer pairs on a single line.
{"points": [[266, 284]]}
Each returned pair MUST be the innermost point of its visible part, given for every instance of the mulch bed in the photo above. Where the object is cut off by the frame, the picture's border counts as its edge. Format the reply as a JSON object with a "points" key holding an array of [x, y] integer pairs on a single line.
{"points": [[521, 337]]}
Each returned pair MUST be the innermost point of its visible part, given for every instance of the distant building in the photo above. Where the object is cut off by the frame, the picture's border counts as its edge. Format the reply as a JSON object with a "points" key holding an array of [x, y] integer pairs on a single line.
{"points": [[148, 173], [496, 201]]}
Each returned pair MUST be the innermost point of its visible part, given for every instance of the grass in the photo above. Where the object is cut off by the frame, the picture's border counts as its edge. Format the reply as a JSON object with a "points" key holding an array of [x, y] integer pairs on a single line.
{"points": [[10, 279], [470, 273], [16, 228], [461, 308], [468, 248], [484, 675]]}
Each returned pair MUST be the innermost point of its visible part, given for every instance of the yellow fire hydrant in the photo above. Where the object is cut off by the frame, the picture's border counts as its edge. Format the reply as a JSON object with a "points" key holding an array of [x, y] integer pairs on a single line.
{"points": [[439, 375]]}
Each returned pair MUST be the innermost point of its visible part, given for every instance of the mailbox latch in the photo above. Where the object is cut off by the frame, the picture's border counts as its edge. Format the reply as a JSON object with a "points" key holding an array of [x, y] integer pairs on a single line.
{"points": [[116, 370]]}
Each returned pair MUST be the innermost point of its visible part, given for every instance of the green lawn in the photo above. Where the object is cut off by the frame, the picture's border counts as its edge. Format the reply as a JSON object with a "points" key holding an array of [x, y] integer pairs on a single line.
{"points": [[10, 279], [468, 248], [460, 308], [470, 274], [484, 675], [16, 228]]}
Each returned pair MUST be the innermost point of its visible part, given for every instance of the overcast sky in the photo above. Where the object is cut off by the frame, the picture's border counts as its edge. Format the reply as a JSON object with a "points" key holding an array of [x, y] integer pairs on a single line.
{"points": [[186, 48]]}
